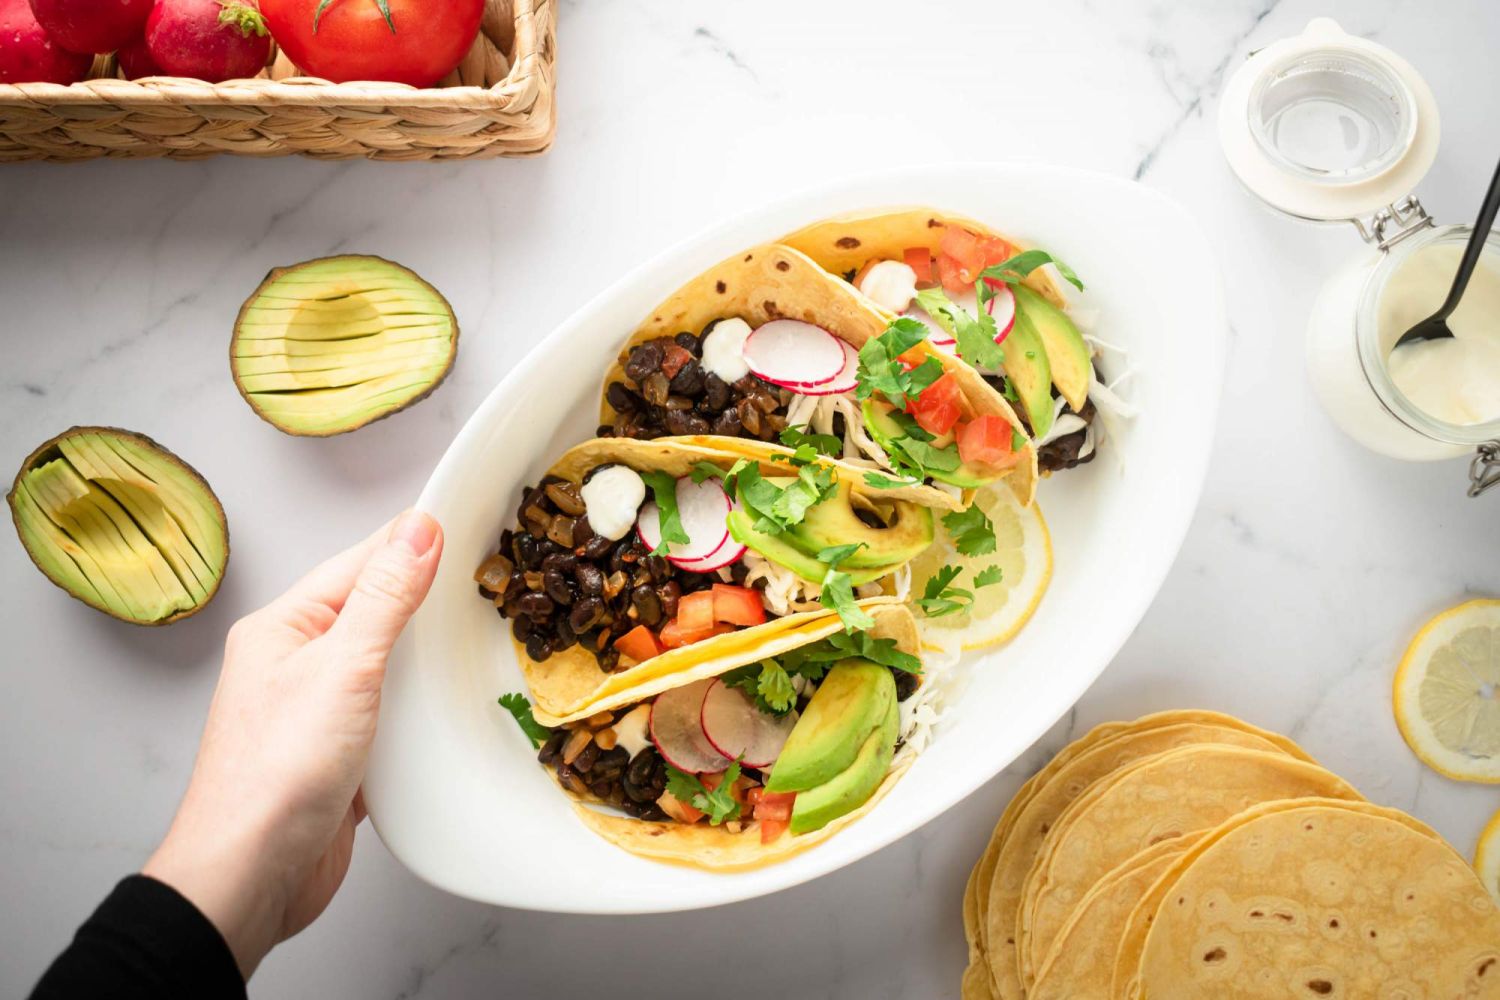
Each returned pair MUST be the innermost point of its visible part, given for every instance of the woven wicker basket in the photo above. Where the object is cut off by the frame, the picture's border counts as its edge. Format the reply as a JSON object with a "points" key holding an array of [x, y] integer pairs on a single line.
{"points": [[499, 102]]}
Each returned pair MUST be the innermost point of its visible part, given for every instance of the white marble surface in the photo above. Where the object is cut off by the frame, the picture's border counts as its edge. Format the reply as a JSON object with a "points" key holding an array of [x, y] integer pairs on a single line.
{"points": [[1308, 565]]}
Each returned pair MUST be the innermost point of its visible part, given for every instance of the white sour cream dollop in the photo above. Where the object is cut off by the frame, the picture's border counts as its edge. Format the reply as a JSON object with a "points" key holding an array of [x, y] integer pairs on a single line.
{"points": [[724, 349], [891, 284], [613, 497], [630, 731]]}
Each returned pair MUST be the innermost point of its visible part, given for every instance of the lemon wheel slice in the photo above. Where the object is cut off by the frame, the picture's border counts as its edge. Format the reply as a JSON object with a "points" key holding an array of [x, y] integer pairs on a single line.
{"points": [[1447, 693], [1023, 553], [1487, 857]]}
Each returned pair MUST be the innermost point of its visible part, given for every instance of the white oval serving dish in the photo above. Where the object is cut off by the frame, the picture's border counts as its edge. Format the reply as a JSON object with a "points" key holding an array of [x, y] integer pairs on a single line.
{"points": [[453, 788]]}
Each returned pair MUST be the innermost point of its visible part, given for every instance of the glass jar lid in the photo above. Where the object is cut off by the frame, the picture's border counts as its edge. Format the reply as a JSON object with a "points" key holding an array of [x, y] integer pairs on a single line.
{"points": [[1328, 126]]}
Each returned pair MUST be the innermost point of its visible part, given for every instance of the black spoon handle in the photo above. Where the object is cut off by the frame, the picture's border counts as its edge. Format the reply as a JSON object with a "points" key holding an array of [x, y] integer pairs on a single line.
{"points": [[1477, 241]]}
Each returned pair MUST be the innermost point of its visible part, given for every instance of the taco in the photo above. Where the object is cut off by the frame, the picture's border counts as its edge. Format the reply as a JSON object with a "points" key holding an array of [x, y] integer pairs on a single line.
{"points": [[927, 265], [766, 353], [638, 559], [749, 759]]}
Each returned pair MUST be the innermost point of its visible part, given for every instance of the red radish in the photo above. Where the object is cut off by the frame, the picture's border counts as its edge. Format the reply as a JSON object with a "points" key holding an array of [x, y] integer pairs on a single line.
{"points": [[1003, 308], [29, 55], [739, 730], [794, 354], [702, 508], [207, 39], [677, 729], [841, 383], [727, 554], [135, 60], [92, 25]]}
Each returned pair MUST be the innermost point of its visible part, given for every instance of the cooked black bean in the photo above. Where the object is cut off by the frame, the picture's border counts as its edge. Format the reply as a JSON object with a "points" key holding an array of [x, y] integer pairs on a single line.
{"points": [[689, 379], [644, 360], [669, 593], [906, 684], [611, 763], [657, 568], [689, 342], [622, 398], [520, 627], [646, 604], [595, 548], [680, 422], [678, 403], [557, 587], [590, 580], [586, 614], [560, 562], [535, 605], [553, 747], [584, 762], [609, 660], [715, 391], [727, 424], [538, 646], [563, 636], [528, 552]]}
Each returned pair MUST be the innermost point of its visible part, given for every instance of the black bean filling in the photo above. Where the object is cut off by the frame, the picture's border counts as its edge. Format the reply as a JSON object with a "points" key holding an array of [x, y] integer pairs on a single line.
{"points": [[1060, 453], [561, 585], [664, 395]]}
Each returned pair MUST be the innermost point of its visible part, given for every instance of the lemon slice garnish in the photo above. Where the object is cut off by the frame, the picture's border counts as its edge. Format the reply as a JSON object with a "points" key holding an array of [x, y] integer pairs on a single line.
{"points": [[1023, 553], [1487, 857], [1447, 692]]}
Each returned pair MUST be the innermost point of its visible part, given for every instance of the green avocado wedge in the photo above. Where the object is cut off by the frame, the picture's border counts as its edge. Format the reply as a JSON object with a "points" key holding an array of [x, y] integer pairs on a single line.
{"points": [[852, 787], [852, 702], [781, 551], [1027, 367], [122, 524], [330, 345], [834, 522], [1068, 354]]}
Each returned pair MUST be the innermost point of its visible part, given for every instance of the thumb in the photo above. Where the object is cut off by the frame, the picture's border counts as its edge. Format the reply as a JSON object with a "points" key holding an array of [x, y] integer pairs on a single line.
{"points": [[388, 589]]}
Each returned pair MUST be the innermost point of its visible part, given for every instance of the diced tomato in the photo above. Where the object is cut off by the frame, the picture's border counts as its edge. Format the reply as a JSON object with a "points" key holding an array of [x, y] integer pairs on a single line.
{"points": [[986, 440], [770, 829], [754, 795], [994, 250], [673, 358], [939, 406], [962, 245], [640, 644], [944, 390], [674, 636], [774, 805], [964, 255], [695, 611], [919, 259], [678, 809], [736, 605], [912, 357]]}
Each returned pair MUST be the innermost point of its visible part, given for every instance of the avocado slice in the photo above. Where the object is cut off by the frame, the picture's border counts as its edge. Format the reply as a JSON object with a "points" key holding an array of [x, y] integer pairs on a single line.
{"points": [[834, 521], [1027, 368], [329, 345], [885, 431], [781, 552], [1068, 353], [852, 787], [122, 524], [851, 703]]}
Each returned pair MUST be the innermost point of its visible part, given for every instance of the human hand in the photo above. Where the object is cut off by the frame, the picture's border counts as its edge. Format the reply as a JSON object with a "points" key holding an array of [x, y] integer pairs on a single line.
{"points": [[264, 834]]}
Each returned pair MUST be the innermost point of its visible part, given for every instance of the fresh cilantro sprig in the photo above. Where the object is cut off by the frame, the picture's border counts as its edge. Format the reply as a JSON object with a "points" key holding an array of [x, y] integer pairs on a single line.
{"points": [[664, 491], [704, 471], [717, 804], [880, 370], [941, 598], [810, 446], [516, 704], [778, 508], [838, 588], [912, 452], [1018, 268], [883, 651], [770, 682], [971, 531], [880, 482], [988, 577]]}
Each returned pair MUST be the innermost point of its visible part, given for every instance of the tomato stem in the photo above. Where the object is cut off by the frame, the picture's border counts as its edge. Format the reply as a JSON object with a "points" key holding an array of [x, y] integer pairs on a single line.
{"points": [[383, 5]]}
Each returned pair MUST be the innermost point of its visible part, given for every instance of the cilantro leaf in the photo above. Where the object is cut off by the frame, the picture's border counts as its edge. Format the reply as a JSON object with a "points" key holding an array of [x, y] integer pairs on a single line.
{"points": [[826, 444], [971, 531], [838, 593], [880, 371], [516, 704], [814, 484], [704, 471], [988, 576], [940, 597], [718, 804], [935, 303], [880, 482], [682, 786], [924, 456], [975, 333], [774, 687], [664, 490], [1015, 270], [881, 651], [835, 554]]}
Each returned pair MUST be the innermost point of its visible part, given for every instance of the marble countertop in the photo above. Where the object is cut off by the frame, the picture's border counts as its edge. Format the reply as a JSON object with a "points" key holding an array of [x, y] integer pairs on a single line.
{"points": [[1309, 564]]}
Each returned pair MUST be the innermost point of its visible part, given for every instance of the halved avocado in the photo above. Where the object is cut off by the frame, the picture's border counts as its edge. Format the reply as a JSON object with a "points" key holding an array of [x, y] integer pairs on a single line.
{"points": [[885, 431], [1028, 369], [1068, 353], [907, 533], [330, 345], [122, 524]]}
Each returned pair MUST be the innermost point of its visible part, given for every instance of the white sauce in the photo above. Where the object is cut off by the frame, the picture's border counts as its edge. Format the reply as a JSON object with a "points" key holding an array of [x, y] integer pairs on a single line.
{"points": [[630, 731], [613, 498], [724, 349], [1457, 379], [890, 284]]}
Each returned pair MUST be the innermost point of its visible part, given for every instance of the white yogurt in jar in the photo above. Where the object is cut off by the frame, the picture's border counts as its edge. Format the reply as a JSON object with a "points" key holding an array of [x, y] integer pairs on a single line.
{"points": [[1457, 379]]}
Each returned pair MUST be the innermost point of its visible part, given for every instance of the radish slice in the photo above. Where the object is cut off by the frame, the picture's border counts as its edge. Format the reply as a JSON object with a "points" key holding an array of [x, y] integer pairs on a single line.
{"points": [[737, 729], [843, 382], [677, 729], [790, 353], [1003, 309], [703, 508], [728, 553], [936, 335]]}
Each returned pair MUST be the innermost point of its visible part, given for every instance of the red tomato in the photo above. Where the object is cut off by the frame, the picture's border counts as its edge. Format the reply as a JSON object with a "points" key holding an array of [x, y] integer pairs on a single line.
{"points": [[29, 55], [695, 612], [963, 246], [674, 636], [678, 809], [995, 250], [735, 605], [770, 829], [919, 259], [352, 40], [986, 440], [774, 805], [673, 358], [92, 25], [640, 644], [939, 406]]}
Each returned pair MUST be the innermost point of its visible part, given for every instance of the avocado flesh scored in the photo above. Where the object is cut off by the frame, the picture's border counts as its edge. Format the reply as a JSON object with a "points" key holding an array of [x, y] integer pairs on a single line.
{"points": [[852, 787], [850, 703], [185, 496], [885, 431], [779, 550], [834, 522], [58, 556], [1068, 354], [1027, 368], [330, 345]]}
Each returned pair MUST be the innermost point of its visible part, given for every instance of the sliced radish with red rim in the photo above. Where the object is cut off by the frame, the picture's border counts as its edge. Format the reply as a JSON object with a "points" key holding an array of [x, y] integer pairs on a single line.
{"points": [[1002, 308], [794, 354], [844, 382], [703, 508], [936, 335], [677, 730], [739, 730]]}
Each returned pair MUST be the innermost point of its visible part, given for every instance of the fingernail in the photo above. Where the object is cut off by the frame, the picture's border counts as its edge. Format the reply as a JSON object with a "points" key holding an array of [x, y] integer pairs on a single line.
{"points": [[416, 530]]}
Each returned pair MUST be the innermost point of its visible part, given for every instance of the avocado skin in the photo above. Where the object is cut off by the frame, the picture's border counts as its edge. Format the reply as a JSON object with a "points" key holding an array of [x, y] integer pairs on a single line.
{"points": [[833, 522], [1028, 369], [1068, 354], [782, 551], [850, 704], [885, 430], [852, 787]]}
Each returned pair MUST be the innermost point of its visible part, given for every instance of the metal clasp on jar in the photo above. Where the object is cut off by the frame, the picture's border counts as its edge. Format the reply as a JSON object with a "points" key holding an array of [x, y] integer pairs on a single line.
{"points": [[1484, 470], [1394, 223]]}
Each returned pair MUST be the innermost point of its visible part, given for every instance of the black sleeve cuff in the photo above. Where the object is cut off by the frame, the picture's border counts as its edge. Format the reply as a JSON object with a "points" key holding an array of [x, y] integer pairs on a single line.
{"points": [[145, 940]]}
